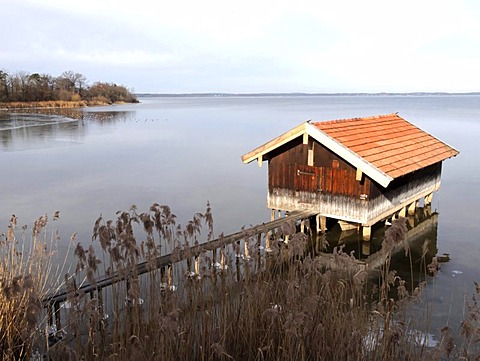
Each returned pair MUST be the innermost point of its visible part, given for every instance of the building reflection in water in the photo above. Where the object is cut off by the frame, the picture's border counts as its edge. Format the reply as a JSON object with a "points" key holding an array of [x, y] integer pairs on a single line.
{"points": [[421, 238]]}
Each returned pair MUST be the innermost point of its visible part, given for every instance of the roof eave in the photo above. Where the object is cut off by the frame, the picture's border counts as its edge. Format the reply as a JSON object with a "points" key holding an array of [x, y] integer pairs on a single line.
{"points": [[351, 157], [286, 137]]}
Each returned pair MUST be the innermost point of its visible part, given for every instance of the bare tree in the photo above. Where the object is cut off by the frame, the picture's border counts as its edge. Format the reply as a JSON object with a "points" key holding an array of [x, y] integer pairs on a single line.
{"points": [[4, 94]]}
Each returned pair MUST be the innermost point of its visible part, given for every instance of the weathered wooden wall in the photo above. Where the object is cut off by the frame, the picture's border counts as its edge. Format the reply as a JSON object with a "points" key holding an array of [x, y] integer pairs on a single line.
{"points": [[328, 174], [330, 187]]}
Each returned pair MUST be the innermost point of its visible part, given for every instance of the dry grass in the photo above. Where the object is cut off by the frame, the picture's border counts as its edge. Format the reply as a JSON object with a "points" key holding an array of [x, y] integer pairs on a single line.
{"points": [[64, 104], [284, 306], [26, 277]]}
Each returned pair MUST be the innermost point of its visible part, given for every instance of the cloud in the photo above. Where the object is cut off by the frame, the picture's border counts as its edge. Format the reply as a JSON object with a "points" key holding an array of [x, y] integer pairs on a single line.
{"points": [[215, 45]]}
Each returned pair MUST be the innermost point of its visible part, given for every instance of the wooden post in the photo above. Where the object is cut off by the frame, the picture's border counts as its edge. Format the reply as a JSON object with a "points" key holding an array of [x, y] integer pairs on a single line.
{"points": [[428, 199], [58, 322], [323, 222], [403, 212], [411, 221], [428, 209], [366, 248], [214, 257], [302, 226], [246, 250], [411, 208], [268, 237], [169, 276], [50, 314], [273, 215], [101, 309], [366, 233], [197, 266], [162, 275], [222, 259]]}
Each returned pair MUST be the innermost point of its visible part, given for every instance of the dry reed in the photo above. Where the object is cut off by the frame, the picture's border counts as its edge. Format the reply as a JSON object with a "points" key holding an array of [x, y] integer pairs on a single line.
{"points": [[287, 305]]}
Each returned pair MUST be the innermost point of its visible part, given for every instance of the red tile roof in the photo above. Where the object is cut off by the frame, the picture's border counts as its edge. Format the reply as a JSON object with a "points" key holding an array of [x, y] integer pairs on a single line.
{"points": [[388, 142]]}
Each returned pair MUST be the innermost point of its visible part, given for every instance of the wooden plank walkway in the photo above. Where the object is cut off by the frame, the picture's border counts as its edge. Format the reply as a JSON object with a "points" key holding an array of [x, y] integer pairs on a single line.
{"points": [[195, 250]]}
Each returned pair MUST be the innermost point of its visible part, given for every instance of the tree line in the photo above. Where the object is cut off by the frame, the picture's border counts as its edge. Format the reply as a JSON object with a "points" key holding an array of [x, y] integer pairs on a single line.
{"points": [[22, 86]]}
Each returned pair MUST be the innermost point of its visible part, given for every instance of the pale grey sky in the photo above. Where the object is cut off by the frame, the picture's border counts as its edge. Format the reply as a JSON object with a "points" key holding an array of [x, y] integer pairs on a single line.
{"points": [[246, 46]]}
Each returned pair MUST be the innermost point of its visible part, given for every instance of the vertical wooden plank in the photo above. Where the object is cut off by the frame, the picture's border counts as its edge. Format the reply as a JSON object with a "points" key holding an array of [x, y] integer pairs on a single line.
{"points": [[335, 180], [328, 180]]}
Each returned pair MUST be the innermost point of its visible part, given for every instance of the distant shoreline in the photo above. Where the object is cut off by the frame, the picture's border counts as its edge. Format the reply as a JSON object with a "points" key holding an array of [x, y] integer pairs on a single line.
{"points": [[155, 95]]}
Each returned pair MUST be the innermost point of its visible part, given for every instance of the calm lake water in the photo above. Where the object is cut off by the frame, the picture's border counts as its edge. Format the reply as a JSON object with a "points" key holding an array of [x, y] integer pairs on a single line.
{"points": [[185, 151]]}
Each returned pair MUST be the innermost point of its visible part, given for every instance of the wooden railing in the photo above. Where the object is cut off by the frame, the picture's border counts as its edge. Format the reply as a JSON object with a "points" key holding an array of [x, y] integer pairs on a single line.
{"points": [[52, 302]]}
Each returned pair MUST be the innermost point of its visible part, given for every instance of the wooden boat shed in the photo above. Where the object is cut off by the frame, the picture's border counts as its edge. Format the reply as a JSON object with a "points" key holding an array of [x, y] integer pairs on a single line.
{"points": [[360, 170]]}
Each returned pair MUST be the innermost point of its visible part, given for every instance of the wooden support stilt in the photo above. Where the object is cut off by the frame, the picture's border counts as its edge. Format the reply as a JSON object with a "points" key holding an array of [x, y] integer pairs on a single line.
{"points": [[50, 314], [197, 266], [323, 224], [169, 276], [411, 221], [366, 233], [101, 309], [58, 321], [246, 250], [427, 209], [222, 260], [403, 212], [273, 215], [279, 213], [214, 256], [302, 226], [162, 275], [268, 238], [428, 199], [366, 248], [411, 208]]}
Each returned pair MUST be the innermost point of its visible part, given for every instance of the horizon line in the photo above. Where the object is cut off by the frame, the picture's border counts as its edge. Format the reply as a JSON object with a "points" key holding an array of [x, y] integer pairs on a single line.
{"points": [[413, 93]]}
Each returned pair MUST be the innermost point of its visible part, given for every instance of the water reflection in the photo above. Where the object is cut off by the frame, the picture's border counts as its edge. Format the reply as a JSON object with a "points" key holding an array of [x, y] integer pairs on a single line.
{"points": [[46, 128], [108, 117], [421, 241]]}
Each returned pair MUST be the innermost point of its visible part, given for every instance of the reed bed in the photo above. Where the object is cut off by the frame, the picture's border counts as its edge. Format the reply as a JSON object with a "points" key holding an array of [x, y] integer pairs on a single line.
{"points": [[238, 303], [64, 104]]}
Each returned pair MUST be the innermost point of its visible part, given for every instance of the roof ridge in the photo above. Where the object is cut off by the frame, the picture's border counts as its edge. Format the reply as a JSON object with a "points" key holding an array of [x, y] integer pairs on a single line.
{"points": [[371, 117]]}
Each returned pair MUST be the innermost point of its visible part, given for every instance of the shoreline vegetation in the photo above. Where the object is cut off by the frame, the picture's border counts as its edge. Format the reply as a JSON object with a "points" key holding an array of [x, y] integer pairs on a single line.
{"points": [[48, 104], [283, 306], [21, 90]]}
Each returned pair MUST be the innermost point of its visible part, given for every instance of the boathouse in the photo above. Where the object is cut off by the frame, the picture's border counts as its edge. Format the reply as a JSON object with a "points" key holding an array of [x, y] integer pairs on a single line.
{"points": [[359, 171]]}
